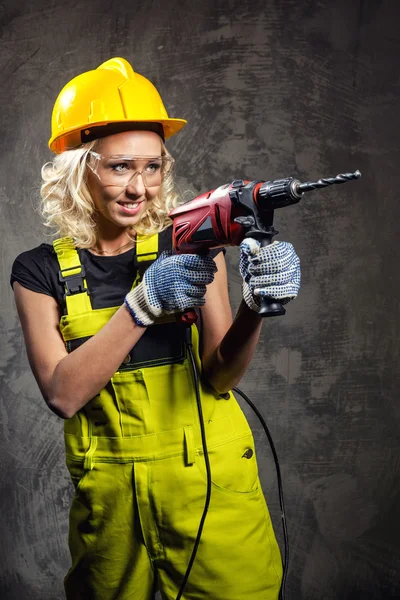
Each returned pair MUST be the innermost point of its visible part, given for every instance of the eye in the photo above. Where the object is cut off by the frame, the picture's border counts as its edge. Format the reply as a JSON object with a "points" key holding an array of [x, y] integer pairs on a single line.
{"points": [[153, 167], [121, 167]]}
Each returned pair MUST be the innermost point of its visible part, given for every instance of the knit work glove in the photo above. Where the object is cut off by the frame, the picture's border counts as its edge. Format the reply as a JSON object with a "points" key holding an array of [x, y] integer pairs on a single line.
{"points": [[272, 271], [171, 284]]}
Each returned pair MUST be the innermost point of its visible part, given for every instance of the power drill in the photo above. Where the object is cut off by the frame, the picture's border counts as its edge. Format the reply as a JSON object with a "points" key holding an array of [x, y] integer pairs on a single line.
{"points": [[234, 211]]}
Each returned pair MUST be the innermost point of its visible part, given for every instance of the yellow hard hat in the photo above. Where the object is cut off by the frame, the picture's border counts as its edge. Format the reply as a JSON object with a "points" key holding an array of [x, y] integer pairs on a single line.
{"points": [[110, 99]]}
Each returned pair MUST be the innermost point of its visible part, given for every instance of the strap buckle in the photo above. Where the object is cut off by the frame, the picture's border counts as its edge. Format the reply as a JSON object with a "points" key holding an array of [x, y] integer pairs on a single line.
{"points": [[138, 258], [73, 283]]}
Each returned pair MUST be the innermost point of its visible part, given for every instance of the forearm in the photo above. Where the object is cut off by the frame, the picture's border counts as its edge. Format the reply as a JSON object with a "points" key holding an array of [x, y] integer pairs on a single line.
{"points": [[80, 375], [224, 367]]}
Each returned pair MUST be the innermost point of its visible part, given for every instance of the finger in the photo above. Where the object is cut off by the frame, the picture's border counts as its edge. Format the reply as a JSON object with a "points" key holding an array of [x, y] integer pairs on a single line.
{"points": [[278, 291], [197, 292], [273, 267], [250, 246], [198, 277], [203, 263], [273, 251], [280, 278]]}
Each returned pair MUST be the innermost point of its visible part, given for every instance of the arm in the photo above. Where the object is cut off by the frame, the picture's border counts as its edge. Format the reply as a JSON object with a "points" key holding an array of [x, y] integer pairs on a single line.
{"points": [[68, 381], [273, 271], [227, 347]]}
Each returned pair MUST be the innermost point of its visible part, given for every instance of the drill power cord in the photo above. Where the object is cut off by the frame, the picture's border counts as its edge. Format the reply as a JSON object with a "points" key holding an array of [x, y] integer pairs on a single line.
{"points": [[206, 460], [285, 561]]}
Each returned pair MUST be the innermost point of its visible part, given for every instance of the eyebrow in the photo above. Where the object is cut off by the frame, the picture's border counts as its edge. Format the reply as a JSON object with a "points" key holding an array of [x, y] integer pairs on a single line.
{"points": [[133, 156]]}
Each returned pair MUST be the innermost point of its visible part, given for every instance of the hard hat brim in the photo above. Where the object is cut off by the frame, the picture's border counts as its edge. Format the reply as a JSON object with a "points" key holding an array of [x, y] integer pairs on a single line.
{"points": [[70, 139]]}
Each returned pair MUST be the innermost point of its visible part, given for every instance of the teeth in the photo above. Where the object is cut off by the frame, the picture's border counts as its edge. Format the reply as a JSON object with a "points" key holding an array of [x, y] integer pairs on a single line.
{"points": [[131, 205]]}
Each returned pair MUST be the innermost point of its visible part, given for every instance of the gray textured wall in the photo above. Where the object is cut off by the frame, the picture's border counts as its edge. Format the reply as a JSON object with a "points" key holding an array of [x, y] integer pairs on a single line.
{"points": [[270, 88]]}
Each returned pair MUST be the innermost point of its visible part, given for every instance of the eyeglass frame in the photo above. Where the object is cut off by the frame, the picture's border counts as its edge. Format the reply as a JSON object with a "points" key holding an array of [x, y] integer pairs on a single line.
{"points": [[98, 157]]}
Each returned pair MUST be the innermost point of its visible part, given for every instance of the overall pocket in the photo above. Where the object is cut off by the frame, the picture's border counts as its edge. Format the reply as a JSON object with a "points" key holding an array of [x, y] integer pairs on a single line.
{"points": [[233, 466]]}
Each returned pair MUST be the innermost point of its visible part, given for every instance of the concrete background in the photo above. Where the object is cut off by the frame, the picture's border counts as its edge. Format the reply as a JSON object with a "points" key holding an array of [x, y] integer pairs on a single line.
{"points": [[270, 88]]}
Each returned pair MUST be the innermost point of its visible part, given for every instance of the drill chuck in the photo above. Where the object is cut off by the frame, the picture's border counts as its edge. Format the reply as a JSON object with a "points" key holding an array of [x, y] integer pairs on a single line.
{"points": [[279, 193]]}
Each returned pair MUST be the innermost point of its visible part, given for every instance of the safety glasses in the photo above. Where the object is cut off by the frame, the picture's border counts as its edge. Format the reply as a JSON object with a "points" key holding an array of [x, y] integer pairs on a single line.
{"points": [[120, 170]]}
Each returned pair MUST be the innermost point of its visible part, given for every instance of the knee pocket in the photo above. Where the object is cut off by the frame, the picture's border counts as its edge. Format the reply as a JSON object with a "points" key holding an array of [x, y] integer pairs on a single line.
{"points": [[233, 466]]}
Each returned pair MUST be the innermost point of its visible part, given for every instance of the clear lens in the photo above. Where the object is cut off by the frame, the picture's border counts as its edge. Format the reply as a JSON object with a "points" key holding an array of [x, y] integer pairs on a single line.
{"points": [[120, 170]]}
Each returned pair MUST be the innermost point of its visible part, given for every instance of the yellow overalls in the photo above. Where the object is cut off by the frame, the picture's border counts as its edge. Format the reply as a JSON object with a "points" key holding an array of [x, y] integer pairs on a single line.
{"points": [[135, 456]]}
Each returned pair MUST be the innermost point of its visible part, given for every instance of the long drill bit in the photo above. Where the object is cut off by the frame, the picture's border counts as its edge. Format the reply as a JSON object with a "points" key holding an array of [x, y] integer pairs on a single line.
{"points": [[321, 183]]}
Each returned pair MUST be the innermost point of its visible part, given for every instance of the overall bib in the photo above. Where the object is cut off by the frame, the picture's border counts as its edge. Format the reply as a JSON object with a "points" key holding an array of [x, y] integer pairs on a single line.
{"points": [[135, 456]]}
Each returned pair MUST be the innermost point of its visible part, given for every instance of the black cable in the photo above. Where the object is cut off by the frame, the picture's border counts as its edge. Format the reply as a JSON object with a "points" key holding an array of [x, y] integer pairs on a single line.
{"points": [[207, 462], [285, 560], [280, 489]]}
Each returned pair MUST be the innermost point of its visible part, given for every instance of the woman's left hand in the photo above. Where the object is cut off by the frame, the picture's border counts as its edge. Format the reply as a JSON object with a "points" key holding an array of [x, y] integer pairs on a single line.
{"points": [[272, 271]]}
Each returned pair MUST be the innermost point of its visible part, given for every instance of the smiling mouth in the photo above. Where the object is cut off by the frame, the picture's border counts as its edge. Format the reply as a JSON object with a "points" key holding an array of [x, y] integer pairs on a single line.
{"points": [[129, 204]]}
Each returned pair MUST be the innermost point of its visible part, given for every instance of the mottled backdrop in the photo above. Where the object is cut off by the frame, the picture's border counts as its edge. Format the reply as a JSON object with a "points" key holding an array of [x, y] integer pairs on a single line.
{"points": [[270, 88]]}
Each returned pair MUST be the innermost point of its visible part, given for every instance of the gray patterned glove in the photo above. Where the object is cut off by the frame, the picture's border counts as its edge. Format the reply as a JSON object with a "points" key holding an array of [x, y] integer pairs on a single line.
{"points": [[171, 284], [272, 271]]}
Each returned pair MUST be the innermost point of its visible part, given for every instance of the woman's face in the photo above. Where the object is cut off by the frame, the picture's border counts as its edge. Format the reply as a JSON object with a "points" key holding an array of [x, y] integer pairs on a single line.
{"points": [[123, 205]]}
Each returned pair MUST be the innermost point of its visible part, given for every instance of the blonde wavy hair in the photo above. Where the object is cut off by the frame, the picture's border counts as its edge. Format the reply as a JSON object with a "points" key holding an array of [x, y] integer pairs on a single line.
{"points": [[67, 205]]}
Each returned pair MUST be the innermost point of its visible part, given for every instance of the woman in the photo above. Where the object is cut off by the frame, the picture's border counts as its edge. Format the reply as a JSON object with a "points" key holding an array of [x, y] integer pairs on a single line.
{"points": [[98, 313]]}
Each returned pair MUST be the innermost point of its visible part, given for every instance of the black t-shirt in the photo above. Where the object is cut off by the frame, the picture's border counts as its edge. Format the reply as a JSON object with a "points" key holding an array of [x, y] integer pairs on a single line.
{"points": [[109, 278]]}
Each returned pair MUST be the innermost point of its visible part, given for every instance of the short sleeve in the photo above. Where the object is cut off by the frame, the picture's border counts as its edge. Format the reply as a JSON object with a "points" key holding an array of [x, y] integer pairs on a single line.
{"points": [[30, 270], [216, 251]]}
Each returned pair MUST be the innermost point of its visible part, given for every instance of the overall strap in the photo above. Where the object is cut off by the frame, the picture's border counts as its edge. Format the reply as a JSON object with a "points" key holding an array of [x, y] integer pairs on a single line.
{"points": [[72, 272], [72, 275], [146, 253]]}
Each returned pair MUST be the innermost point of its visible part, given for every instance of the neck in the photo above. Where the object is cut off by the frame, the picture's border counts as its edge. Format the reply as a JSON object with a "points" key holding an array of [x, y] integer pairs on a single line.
{"points": [[114, 244]]}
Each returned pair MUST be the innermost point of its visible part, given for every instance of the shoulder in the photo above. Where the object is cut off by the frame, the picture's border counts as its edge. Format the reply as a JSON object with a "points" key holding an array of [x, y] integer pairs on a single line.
{"points": [[35, 255], [35, 259], [36, 269]]}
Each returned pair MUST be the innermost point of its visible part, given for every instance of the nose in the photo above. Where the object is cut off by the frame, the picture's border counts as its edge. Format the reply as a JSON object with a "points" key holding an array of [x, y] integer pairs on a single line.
{"points": [[136, 185]]}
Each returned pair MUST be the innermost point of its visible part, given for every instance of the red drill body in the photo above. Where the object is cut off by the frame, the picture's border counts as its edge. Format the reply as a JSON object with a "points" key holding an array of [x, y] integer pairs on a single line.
{"points": [[205, 222], [224, 216]]}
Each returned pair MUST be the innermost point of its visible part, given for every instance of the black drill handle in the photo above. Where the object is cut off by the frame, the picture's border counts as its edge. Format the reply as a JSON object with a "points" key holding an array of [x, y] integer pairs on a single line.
{"points": [[268, 306]]}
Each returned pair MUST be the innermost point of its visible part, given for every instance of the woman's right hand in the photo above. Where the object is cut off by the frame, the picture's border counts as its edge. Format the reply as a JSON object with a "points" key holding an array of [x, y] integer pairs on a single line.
{"points": [[171, 284]]}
